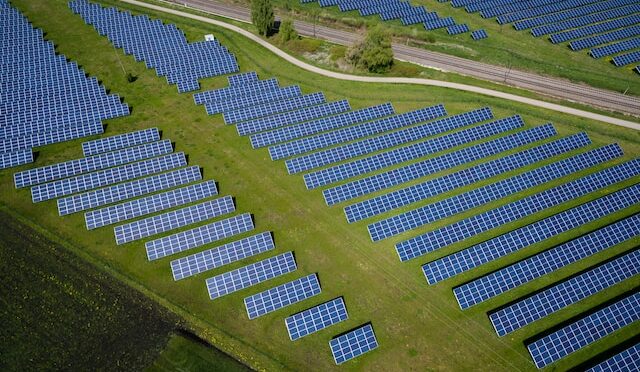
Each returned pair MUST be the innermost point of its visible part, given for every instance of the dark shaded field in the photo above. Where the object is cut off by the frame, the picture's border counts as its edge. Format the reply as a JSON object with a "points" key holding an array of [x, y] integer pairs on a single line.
{"points": [[58, 312]]}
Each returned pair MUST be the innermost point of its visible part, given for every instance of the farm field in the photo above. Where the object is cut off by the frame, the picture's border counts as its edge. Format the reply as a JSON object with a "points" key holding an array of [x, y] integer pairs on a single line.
{"points": [[416, 324]]}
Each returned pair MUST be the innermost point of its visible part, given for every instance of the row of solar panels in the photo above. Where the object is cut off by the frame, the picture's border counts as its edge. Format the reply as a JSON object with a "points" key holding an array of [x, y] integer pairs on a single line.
{"points": [[408, 14], [45, 99], [356, 143], [584, 23], [121, 177], [162, 47]]}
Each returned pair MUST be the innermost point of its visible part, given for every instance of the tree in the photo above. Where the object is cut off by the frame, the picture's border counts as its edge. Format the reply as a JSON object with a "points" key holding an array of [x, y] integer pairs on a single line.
{"points": [[374, 53], [287, 31], [262, 16]]}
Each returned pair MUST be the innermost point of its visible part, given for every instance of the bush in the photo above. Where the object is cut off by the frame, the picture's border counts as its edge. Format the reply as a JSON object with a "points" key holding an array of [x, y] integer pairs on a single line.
{"points": [[287, 31], [374, 53], [262, 16]]}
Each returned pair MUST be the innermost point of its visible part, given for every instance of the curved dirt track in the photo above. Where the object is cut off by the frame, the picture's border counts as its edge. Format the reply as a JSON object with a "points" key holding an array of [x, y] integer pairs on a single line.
{"points": [[394, 80]]}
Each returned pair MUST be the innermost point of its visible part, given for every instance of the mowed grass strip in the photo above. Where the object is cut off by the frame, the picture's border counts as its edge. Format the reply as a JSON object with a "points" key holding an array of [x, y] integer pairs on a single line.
{"points": [[416, 325]]}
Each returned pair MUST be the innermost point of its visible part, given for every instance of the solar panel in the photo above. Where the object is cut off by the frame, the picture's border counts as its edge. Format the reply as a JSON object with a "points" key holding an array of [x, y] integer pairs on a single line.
{"points": [[354, 132], [594, 29], [213, 258], [198, 236], [12, 159], [516, 210], [243, 78], [247, 276], [234, 103], [151, 204], [283, 295], [127, 190], [400, 155], [253, 112], [291, 117], [568, 292], [523, 237], [85, 165], [628, 360], [173, 220], [381, 142], [395, 199], [313, 127], [50, 137], [479, 34], [234, 91], [316, 318], [353, 344], [429, 166], [585, 331], [457, 29], [471, 199], [105, 177]]}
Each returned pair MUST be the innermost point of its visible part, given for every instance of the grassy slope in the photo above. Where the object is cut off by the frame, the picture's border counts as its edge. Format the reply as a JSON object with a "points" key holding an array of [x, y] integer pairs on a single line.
{"points": [[505, 46], [417, 325]]}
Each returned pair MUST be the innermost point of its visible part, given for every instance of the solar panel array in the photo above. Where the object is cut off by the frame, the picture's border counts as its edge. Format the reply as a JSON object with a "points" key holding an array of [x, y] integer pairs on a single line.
{"points": [[514, 211], [238, 102], [585, 331], [283, 295], [627, 360], [120, 141], [462, 202], [510, 277], [173, 220], [162, 47], [44, 99], [199, 236], [584, 23], [316, 318], [523, 237], [150, 204], [253, 112], [353, 344], [213, 258], [479, 34], [246, 276], [390, 10], [626, 59], [561, 295]]}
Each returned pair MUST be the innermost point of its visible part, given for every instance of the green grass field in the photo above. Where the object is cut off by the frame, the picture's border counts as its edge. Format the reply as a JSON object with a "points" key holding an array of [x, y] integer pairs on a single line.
{"points": [[504, 47], [419, 327]]}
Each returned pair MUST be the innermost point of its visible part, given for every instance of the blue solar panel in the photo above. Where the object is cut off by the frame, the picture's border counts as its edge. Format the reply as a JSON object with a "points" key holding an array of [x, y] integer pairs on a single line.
{"points": [[312, 127], [479, 34], [173, 220], [54, 135], [585, 20], [557, 12], [439, 23], [243, 78], [291, 117], [462, 202], [283, 295], [625, 59], [585, 331], [516, 210], [627, 361], [351, 150], [608, 37], [433, 165], [594, 29], [12, 159], [615, 48], [198, 236], [500, 281], [354, 132], [400, 155], [213, 258], [85, 165], [106, 177], [128, 190], [234, 103], [234, 91], [151, 204], [457, 29], [566, 293], [271, 108], [523, 237], [120, 141], [246, 276], [395, 199], [353, 344], [316, 318]]}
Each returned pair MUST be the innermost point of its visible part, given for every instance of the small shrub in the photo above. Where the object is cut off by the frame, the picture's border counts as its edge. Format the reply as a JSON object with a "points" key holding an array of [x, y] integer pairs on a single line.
{"points": [[287, 31]]}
